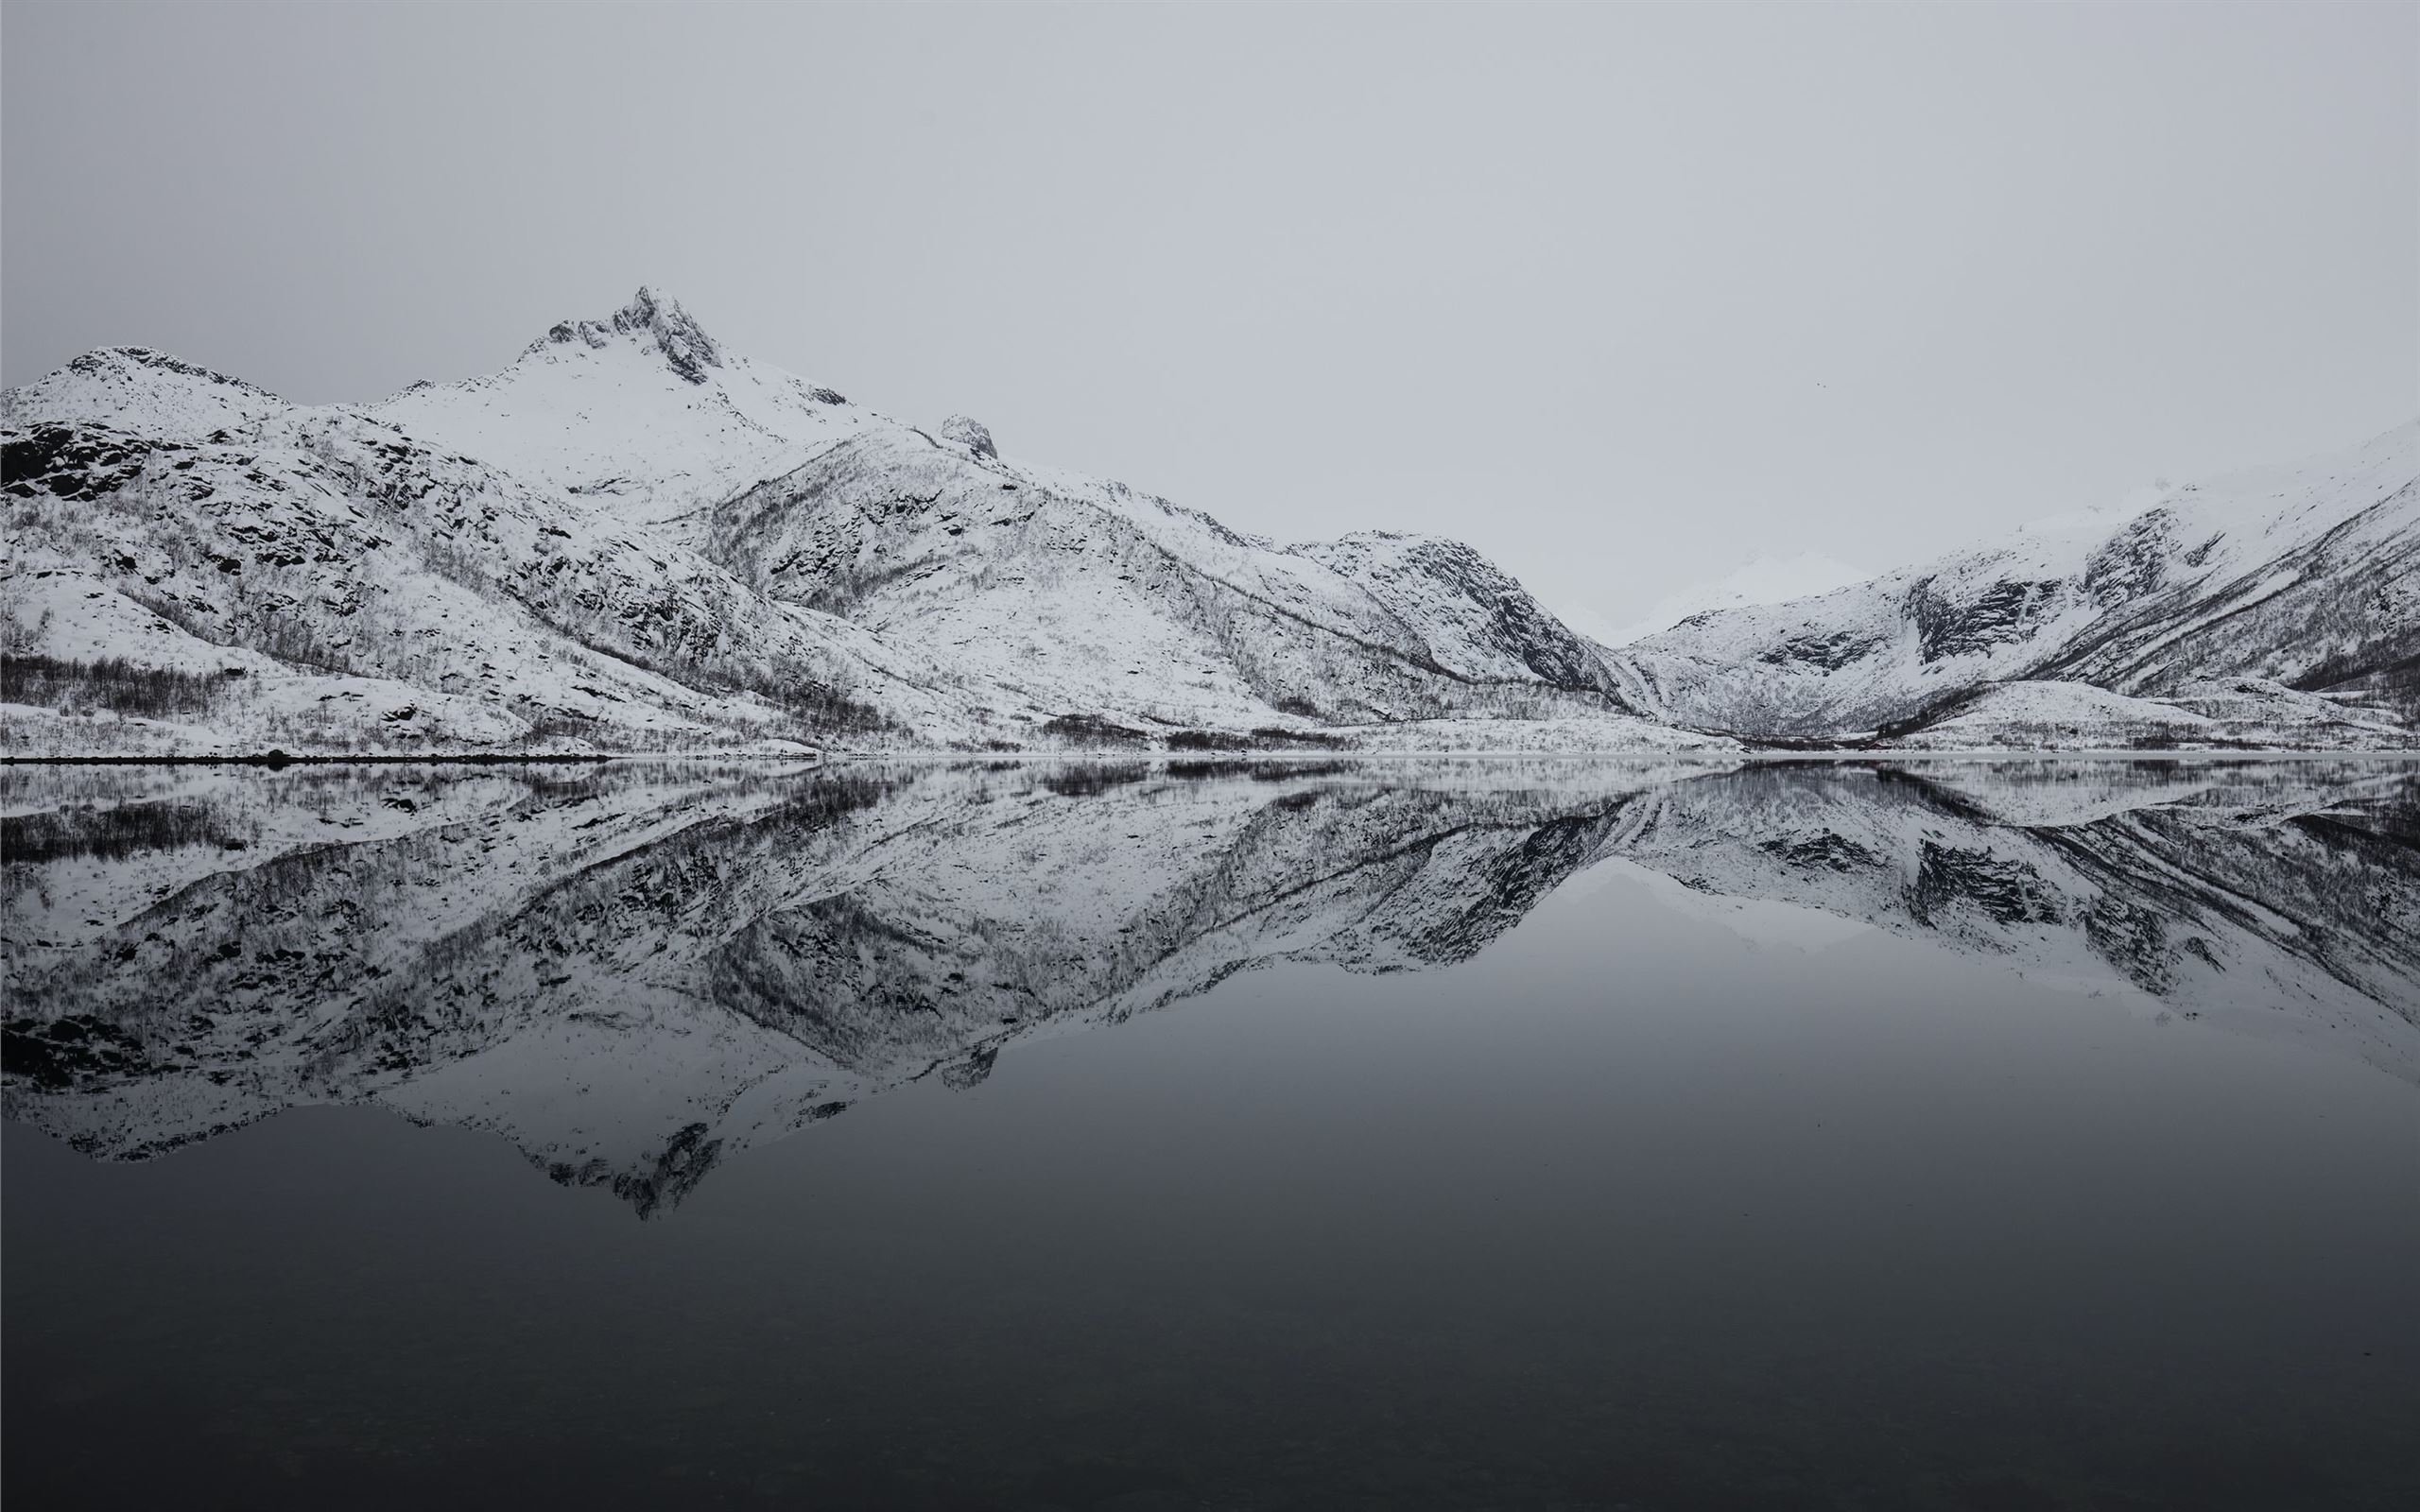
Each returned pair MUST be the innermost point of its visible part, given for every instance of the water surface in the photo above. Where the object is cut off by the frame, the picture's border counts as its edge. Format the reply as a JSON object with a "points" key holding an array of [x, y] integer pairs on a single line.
{"points": [[1215, 1135]]}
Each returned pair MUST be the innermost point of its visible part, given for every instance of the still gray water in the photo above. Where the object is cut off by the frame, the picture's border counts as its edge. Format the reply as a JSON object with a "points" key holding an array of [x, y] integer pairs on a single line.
{"points": [[1214, 1135]]}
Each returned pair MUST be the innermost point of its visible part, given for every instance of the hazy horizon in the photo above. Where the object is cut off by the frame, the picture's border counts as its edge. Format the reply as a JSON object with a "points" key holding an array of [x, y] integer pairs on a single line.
{"points": [[1622, 297]]}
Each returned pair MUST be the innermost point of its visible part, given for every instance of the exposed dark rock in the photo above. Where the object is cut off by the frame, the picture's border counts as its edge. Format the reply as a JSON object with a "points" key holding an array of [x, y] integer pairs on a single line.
{"points": [[972, 433]]}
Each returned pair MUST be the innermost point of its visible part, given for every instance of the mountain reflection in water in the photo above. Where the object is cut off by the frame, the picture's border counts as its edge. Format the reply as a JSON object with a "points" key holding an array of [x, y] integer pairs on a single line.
{"points": [[637, 972]]}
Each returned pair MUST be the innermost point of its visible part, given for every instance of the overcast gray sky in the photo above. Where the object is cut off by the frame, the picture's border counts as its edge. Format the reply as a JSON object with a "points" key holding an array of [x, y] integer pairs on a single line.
{"points": [[1620, 294]]}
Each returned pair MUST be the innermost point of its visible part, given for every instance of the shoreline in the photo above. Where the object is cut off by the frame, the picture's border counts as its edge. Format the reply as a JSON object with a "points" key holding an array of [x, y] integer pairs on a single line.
{"points": [[275, 761]]}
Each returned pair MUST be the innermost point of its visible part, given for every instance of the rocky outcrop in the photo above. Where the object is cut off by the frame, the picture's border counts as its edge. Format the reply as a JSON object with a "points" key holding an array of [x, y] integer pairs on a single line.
{"points": [[660, 322], [972, 433]]}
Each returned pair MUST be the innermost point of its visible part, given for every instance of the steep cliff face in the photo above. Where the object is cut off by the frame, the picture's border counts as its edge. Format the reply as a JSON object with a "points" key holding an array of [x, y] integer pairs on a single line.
{"points": [[2306, 577]]}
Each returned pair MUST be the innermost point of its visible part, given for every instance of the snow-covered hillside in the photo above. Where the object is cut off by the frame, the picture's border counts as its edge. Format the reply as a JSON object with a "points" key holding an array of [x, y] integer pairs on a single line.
{"points": [[2216, 601], [348, 584], [635, 538], [1761, 579], [1081, 594]]}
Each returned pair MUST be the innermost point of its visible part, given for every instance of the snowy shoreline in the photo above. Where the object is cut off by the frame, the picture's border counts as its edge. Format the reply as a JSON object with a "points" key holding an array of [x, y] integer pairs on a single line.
{"points": [[278, 760]]}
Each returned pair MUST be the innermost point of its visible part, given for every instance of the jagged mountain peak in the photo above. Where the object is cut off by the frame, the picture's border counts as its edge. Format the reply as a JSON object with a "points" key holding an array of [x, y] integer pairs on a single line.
{"points": [[642, 410], [655, 318]]}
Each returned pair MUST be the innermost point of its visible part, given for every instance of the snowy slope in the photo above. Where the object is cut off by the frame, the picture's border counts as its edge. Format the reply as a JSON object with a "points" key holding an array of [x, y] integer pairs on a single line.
{"points": [[1086, 596], [302, 544], [1761, 579], [2307, 577], [140, 391], [635, 538], [642, 411]]}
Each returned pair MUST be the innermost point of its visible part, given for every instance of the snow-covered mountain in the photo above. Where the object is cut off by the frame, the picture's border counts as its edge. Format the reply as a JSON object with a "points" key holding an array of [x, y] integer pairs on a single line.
{"points": [[643, 412], [635, 538], [2276, 606], [1761, 579], [1079, 594], [633, 973], [632, 537]]}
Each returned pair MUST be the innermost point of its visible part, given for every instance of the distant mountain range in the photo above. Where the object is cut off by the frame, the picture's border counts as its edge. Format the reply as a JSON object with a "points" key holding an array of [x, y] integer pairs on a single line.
{"points": [[634, 538], [1763, 579]]}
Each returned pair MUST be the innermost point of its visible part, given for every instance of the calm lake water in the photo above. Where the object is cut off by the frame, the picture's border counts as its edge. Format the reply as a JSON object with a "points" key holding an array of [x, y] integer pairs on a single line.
{"points": [[1214, 1135]]}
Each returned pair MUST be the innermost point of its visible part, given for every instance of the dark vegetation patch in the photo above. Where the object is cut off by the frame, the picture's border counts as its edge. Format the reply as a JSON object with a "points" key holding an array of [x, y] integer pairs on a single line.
{"points": [[1264, 738], [111, 682], [1091, 782], [1259, 771], [822, 709], [1091, 730], [1197, 771], [62, 1052], [109, 833], [1297, 739], [1283, 771]]}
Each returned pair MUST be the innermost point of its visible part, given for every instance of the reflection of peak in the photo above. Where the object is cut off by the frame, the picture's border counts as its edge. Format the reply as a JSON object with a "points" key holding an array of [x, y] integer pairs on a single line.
{"points": [[654, 318], [972, 1072], [636, 974], [677, 1172], [2188, 890]]}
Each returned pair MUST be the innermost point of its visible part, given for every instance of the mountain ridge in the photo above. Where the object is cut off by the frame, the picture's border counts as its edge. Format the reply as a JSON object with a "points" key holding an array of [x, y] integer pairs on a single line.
{"points": [[633, 537], [2266, 583]]}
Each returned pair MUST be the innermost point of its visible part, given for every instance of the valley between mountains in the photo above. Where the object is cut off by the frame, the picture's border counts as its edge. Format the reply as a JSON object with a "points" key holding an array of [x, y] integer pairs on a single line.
{"points": [[633, 538]]}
